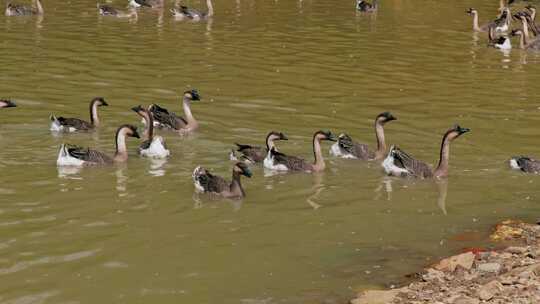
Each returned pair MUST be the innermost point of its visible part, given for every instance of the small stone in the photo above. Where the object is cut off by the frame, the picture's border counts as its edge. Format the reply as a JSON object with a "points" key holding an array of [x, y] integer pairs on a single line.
{"points": [[464, 260], [433, 275], [516, 250], [465, 300], [489, 267], [488, 291], [507, 280]]}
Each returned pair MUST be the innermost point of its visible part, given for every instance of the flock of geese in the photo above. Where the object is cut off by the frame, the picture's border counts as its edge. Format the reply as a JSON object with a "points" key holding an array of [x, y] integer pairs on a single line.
{"points": [[395, 161]]}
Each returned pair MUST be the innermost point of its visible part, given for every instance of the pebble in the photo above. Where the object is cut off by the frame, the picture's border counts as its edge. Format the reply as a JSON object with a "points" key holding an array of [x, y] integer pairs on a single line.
{"points": [[489, 267]]}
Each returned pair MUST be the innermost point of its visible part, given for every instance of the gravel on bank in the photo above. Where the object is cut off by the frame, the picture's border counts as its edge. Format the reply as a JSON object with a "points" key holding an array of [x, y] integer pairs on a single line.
{"points": [[511, 275]]}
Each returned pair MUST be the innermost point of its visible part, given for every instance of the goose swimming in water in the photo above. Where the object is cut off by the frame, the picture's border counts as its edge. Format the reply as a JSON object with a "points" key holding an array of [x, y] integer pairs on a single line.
{"points": [[399, 163], [107, 10], [21, 10], [146, 3], [280, 162], [347, 148], [165, 119], [76, 156], [501, 24], [367, 7], [61, 124], [524, 43], [525, 164], [256, 154], [501, 42], [183, 12], [205, 182], [6, 103], [152, 146]]}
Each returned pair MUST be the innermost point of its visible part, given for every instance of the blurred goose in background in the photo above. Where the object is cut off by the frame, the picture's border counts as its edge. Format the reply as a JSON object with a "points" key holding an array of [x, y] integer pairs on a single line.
{"points": [[71, 155], [107, 10], [501, 24], [205, 182], [281, 162], [62, 124], [183, 12], [165, 119], [347, 148], [399, 163], [6, 103], [152, 146], [21, 10], [364, 6], [525, 164], [524, 43], [256, 154], [146, 3]]}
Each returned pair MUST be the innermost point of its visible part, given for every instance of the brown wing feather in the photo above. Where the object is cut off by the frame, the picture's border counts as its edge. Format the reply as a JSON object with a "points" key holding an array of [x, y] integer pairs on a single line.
{"points": [[88, 155], [293, 163], [76, 123], [415, 167], [253, 153]]}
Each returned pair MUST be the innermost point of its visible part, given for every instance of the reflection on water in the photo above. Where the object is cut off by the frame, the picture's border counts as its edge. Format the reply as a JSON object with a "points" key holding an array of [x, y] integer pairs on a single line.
{"points": [[296, 66]]}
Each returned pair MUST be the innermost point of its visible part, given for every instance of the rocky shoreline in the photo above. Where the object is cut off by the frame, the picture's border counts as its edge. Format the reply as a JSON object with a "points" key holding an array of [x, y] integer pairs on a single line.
{"points": [[510, 275]]}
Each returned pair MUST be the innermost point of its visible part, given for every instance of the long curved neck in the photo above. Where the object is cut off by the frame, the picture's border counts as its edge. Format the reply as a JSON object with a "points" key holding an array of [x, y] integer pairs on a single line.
{"points": [[149, 128], [525, 30], [381, 144], [533, 15], [270, 143], [476, 27], [522, 42], [318, 164], [94, 118], [121, 149], [444, 158], [39, 7], [192, 123], [236, 187], [210, 8]]}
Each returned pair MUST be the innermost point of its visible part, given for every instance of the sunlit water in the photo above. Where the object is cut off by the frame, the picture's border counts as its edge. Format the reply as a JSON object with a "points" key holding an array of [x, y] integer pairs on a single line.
{"points": [[137, 234]]}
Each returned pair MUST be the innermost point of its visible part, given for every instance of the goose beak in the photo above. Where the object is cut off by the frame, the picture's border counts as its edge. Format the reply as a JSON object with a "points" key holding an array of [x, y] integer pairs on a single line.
{"points": [[104, 103], [331, 137], [283, 136], [463, 130], [137, 109], [136, 134], [391, 117], [247, 173], [10, 104]]}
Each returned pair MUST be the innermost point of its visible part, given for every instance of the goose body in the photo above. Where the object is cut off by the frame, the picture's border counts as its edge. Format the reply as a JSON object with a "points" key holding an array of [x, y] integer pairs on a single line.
{"points": [[183, 12], [281, 162], [364, 6], [62, 124], [501, 24], [525, 164], [21, 10], [345, 147], [152, 146], [146, 3], [107, 10], [524, 44], [206, 182], [257, 154], [75, 156], [399, 163], [6, 103], [166, 119]]}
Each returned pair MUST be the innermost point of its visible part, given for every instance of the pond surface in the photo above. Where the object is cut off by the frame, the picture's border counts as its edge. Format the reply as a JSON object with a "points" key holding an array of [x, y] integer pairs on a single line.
{"points": [[137, 234]]}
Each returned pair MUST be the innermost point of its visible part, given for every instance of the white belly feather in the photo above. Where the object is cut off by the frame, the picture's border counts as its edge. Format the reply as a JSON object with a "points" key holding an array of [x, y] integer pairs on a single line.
{"points": [[64, 159], [270, 164], [157, 149]]}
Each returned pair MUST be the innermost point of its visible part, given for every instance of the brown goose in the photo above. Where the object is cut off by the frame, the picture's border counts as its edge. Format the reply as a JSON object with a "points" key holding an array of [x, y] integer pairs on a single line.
{"points": [[165, 119], [256, 154], [205, 182], [71, 155], [399, 163], [366, 7], [183, 12], [501, 24], [525, 164], [146, 3], [281, 162], [152, 146], [107, 10], [21, 10], [347, 148], [524, 43], [6, 103], [62, 124]]}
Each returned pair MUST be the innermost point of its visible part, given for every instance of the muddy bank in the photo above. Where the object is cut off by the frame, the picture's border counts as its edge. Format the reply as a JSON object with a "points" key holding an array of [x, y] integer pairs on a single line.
{"points": [[509, 275]]}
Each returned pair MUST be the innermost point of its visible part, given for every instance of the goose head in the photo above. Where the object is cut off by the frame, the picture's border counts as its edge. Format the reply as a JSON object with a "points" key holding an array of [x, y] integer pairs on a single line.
{"points": [[129, 131], [242, 169], [385, 117], [325, 135], [516, 32], [140, 110], [5, 103], [455, 132], [276, 136], [192, 95], [472, 11], [99, 101]]}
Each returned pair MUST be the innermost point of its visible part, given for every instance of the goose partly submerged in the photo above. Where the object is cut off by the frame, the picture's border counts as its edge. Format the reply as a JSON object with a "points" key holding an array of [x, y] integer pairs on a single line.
{"points": [[146, 3], [366, 7], [21, 10], [345, 147], [153, 146], [399, 163], [71, 155], [183, 12], [206, 182], [256, 154], [280, 162], [165, 119], [62, 124]]}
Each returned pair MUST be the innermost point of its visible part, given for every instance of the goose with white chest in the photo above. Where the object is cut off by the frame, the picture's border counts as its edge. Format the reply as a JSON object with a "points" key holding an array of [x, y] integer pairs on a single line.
{"points": [[165, 119], [399, 163], [345, 147], [152, 146], [281, 162], [63, 124], [75, 156], [257, 154]]}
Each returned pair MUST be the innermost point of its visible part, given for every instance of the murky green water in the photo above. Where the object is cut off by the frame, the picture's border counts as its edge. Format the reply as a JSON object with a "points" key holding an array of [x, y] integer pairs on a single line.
{"points": [[136, 234]]}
